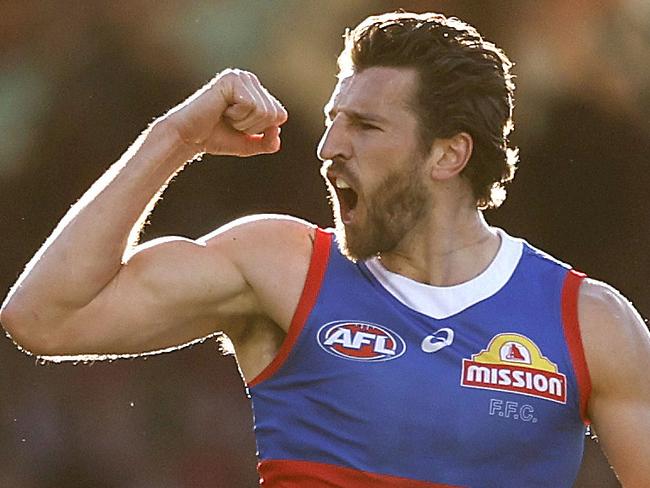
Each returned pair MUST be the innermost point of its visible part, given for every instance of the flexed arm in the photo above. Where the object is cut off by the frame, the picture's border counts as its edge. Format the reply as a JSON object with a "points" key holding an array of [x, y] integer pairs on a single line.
{"points": [[617, 348], [77, 295]]}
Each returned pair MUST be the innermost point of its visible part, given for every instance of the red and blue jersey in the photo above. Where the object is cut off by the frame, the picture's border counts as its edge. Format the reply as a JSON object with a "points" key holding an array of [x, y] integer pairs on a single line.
{"points": [[386, 382]]}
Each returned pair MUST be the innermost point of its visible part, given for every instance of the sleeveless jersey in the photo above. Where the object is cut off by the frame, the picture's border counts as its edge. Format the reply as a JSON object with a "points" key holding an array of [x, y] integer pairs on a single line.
{"points": [[386, 382]]}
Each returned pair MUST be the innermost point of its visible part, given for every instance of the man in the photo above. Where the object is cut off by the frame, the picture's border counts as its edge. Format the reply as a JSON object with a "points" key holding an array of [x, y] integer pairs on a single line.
{"points": [[416, 346]]}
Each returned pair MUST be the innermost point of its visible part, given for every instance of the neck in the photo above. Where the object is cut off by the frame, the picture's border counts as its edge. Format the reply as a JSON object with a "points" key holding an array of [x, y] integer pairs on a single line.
{"points": [[446, 249]]}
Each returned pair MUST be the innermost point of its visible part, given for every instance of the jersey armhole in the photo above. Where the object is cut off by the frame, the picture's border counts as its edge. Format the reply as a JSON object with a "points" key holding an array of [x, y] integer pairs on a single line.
{"points": [[317, 266], [573, 338]]}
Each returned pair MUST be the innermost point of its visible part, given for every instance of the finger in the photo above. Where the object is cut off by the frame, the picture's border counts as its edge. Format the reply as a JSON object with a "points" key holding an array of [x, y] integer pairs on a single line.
{"points": [[271, 140], [241, 109], [273, 114], [260, 127], [238, 112], [269, 100], [264, 112], [282, 114], [255, 109], [279, 118], [266, 143], [250, 123], [275, 109]]}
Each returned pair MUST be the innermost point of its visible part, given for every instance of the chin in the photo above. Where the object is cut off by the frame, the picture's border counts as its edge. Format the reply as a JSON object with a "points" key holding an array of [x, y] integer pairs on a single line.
{"points": [[356, 244]]}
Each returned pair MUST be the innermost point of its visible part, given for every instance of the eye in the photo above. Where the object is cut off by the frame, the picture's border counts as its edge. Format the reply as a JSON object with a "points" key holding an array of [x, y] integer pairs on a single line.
{"points": [[366, 126]]}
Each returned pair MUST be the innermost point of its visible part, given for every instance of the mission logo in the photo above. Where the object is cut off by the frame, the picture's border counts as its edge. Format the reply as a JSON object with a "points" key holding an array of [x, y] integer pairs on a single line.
{"points": [[512, 362], [360, 341]]}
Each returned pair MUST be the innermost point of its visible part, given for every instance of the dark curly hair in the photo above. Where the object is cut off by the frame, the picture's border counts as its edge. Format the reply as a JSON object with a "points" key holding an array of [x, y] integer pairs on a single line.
{"points": [[465, 85]]}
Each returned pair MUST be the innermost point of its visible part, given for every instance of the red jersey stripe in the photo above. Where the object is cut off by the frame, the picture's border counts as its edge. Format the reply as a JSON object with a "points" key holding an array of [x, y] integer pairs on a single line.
{"points": [[276, 473], [315, 273], [574, 339]]}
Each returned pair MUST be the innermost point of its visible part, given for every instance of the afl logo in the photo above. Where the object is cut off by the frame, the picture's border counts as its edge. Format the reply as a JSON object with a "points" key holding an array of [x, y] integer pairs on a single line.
{"points": [[360, 341]]}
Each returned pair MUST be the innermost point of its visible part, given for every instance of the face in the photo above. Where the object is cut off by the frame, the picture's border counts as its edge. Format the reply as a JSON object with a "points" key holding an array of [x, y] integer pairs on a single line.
{"points": [[372, 162]]}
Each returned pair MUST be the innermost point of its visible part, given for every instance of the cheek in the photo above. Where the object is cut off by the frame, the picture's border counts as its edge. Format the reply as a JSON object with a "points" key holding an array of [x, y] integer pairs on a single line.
{"points": [[384, 152]]}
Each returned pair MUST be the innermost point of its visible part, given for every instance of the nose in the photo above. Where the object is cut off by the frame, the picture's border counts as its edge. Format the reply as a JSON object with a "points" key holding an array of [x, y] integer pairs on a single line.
{"points": [[335, 143]]}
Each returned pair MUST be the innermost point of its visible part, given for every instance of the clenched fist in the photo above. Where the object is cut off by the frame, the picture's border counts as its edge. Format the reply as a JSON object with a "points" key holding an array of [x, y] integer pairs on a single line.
{"points": [[233, 114]]}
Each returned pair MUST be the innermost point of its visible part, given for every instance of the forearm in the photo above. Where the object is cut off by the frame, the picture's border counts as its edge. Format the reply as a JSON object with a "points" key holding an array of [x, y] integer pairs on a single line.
{"points": [[79, 268], [85, 250]]}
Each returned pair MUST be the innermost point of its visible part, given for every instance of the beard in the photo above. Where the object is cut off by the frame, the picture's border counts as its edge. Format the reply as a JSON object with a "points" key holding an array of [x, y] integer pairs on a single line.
{"points": [[394, 207]]}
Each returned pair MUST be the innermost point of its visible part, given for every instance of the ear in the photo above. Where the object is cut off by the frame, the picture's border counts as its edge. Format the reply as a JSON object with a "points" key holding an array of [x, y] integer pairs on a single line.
{"points": [[450, 156]]}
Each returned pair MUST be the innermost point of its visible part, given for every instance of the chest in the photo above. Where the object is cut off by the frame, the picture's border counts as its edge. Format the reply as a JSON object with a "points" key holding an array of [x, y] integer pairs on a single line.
{"points": [[376, 385], [494, 368]]}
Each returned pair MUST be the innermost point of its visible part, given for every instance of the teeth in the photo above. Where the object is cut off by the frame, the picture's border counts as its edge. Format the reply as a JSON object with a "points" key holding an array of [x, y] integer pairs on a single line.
{"points": [[341, 184]]}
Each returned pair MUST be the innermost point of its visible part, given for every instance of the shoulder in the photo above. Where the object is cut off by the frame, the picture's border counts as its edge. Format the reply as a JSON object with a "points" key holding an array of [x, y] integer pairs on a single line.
{"points": [[273, 255], [615, 338], [264, 246], [263, 236], [617, 348], [264, 223]]}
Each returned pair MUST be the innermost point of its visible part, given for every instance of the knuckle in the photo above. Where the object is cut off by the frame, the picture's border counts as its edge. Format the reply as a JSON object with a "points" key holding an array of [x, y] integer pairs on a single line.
{"points": [[241, 95], [261, 110], [282, 115], [238, 125], [252, 76], [268, 100], [228, 74], [233, 76]]}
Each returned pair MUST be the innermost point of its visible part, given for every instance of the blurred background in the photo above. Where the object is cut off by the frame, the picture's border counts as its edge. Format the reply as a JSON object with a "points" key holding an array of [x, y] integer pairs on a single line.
{"points": [[80, 79]]}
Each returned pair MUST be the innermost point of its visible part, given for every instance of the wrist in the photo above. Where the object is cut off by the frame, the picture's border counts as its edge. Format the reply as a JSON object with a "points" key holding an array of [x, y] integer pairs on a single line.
{"points": [[163, 129]]}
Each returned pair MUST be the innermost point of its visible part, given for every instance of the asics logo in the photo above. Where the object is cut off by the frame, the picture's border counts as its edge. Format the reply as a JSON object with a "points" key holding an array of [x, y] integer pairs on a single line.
{"points": [[441, 338]]}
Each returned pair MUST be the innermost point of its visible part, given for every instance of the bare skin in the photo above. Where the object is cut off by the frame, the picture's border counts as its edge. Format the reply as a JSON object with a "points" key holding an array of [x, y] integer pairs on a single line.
{"points": [[169, 291], [80, 295]]}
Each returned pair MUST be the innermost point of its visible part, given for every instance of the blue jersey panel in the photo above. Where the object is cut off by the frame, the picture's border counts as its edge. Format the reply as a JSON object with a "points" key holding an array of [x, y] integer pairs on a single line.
{"points": [[486, 397]]}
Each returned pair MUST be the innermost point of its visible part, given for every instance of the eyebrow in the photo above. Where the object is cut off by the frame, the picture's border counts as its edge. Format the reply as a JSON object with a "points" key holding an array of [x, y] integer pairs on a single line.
{"points": [[354, 114]]}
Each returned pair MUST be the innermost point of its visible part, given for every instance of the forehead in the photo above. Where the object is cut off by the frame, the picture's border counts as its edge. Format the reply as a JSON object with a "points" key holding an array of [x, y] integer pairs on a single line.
{"points": [[379, 90]]}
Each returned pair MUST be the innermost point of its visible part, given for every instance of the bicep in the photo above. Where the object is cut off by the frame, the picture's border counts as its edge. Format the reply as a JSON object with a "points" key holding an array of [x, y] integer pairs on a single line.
{"points": [[170, 292], [617, 346]]}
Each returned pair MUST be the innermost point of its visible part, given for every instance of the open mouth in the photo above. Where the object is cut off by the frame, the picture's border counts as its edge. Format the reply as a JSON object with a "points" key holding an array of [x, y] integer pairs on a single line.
{"points": [[347, 198]]}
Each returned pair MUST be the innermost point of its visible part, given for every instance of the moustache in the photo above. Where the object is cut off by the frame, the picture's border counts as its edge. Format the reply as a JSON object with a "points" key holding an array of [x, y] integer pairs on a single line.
{"points": [[333, 168]]}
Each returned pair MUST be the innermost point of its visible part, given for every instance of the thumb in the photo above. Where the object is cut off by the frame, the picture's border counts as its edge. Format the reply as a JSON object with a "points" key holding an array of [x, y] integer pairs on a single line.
{"points": [[238, 111], [266, 143]]}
